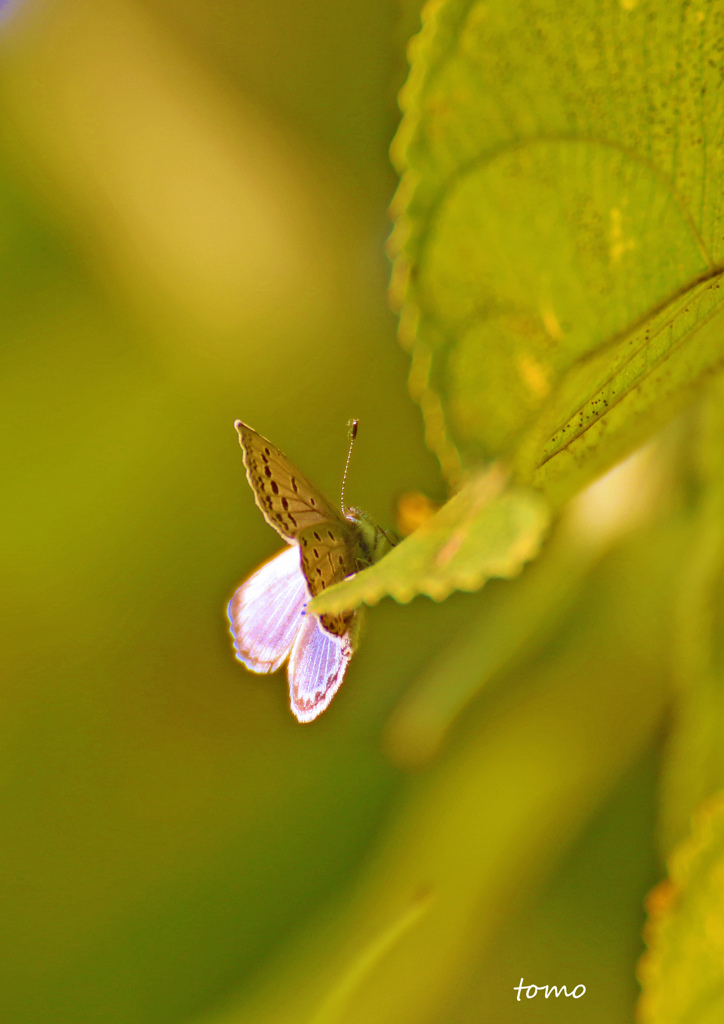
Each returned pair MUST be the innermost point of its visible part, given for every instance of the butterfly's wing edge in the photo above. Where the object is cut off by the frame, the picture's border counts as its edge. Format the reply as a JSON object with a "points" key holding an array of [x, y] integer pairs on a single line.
{"points": [[333, 651], [315, 509], [277, 588]]}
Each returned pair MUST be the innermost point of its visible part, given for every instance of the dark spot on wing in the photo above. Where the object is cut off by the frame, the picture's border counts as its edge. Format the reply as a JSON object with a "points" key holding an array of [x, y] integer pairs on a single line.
{"points": [[267, 471], [312, 501], [294, 485], [292, 520], [267, 451], [275, 486], [316, 536], [285, 504], [316, 553], [331, 535], [341, 560]]}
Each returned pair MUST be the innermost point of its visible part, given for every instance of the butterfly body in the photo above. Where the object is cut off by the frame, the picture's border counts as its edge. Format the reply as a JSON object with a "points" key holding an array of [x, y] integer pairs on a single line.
{"points": [[268, 612]]}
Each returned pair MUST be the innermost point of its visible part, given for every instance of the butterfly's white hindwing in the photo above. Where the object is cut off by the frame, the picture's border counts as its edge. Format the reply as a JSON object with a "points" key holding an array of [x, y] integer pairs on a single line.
{"points": [[266, 612], [317, 666]]}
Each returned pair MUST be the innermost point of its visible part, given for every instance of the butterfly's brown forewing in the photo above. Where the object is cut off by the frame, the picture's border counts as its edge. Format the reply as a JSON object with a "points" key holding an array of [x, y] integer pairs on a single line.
{"points": [[331, 545]]}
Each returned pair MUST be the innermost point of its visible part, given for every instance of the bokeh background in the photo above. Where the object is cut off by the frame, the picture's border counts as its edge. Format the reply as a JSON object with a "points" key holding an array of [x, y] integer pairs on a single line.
{"points": [[193, 210]]}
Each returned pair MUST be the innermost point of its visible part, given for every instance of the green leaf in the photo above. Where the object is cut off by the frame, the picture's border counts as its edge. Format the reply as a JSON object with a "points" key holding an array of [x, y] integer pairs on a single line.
{"points": [[632, 387], [559, 227], [486, 530], [682, 974]]}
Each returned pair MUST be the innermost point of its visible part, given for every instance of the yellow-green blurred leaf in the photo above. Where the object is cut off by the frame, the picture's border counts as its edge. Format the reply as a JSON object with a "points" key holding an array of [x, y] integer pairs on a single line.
{"points": [[357, 973], [520, 617], [683, 972], [694, 766]]}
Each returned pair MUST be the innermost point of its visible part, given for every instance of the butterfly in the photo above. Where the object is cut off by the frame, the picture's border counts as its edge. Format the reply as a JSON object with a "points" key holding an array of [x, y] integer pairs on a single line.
{"points": [[268, 612]]}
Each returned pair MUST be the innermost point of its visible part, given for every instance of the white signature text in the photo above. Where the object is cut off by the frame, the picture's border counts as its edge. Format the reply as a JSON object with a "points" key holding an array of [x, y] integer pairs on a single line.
{"points": [[532, 991]]}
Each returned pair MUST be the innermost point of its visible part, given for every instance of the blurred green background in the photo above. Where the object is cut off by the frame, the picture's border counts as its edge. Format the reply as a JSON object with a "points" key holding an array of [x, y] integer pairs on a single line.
{"points": [[192, 221]]}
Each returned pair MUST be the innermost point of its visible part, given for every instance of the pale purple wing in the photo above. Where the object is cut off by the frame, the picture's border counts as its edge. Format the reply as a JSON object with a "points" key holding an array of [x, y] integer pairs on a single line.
{"points": [[316, 668], [266, 612]]}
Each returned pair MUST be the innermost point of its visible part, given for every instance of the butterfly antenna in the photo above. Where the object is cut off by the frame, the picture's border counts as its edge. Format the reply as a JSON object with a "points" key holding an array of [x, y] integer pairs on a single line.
{"points": [[353, 424]]}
